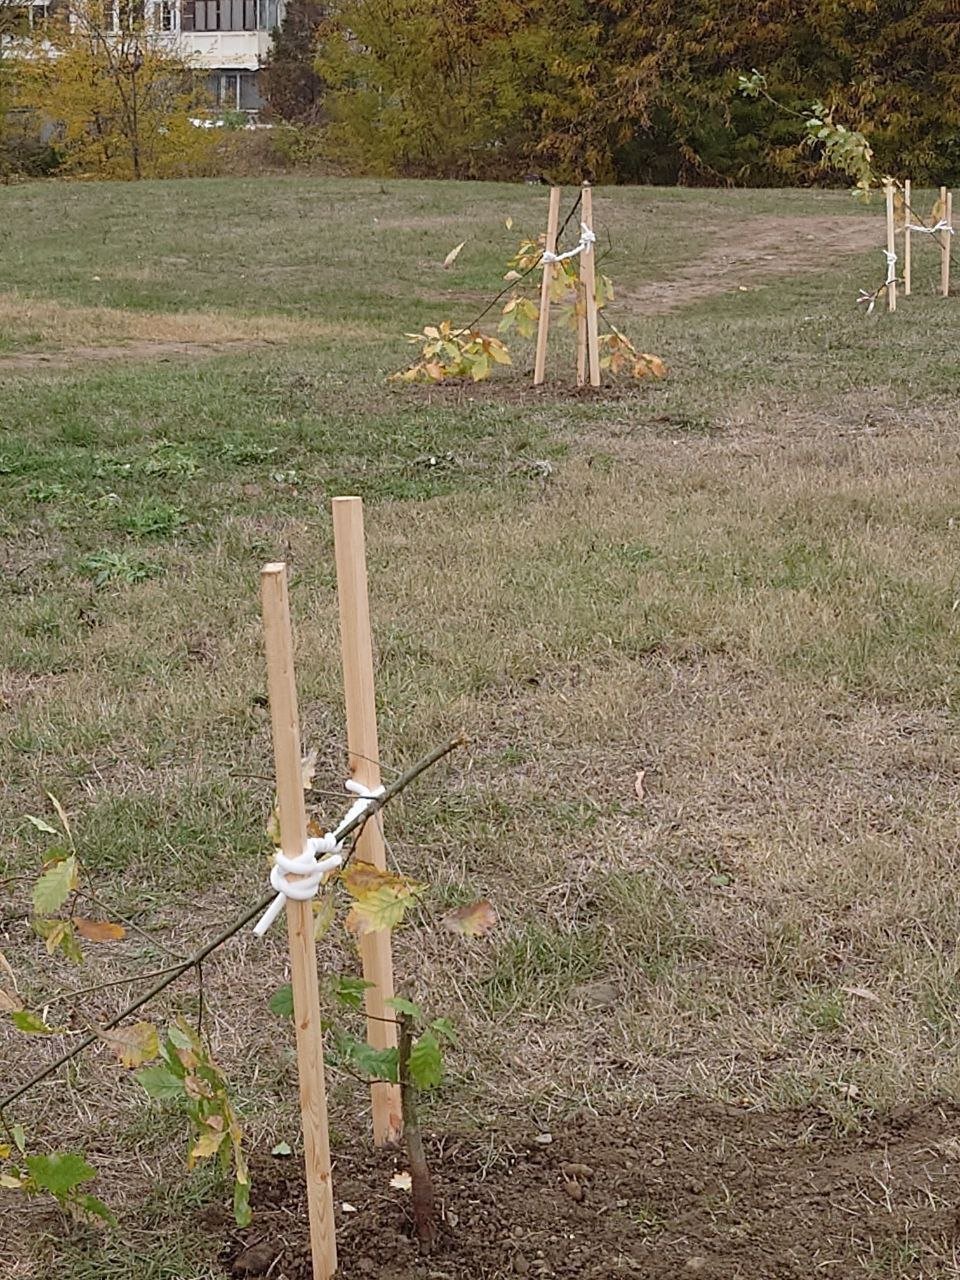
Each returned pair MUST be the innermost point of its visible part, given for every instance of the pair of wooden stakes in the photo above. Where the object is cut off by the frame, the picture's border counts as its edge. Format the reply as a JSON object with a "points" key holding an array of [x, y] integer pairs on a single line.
{"points": [[942, 231], [588, 338], [375, 948]]}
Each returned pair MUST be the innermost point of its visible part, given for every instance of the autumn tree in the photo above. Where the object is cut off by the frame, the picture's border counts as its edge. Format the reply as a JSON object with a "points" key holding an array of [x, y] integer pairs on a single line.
{"points": [[118, 99], [645, 93], [289, 80]]}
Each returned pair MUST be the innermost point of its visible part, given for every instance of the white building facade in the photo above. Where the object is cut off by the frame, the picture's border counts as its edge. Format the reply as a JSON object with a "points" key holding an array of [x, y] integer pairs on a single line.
{"points": [[225, 40]]}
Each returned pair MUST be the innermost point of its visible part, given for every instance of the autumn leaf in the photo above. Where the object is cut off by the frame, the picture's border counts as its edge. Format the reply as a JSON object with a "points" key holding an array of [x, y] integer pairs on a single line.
{"points": [[55, 886], [452, 256], [638, 783], [10, 1002], [402, 1181], [30, 1023], [208, 1144], [380, 897], [98, 930], [134, 1045], [508, 222], [42, 825], [472, 921], [308, 768]]}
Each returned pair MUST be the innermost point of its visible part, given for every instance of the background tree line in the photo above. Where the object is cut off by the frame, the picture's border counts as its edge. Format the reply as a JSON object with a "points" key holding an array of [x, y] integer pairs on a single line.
{"points": [[634, 92]]}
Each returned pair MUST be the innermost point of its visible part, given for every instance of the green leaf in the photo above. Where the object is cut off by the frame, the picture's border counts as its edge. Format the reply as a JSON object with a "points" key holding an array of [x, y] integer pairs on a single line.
{"points": [[405, 1006], [30, 1023], [19, 1137], [90, 1204], [160, 1083], [377, 1064], [55, 886], [426, 1062], [59, 1172], [241, 1203], [281, 1002], [444, 1029], [282, 1149], [349, 991]]}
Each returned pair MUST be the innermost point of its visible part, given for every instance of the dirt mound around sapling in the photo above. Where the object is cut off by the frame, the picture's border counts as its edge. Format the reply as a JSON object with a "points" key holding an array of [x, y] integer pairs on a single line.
{"points": [[690, 1189]]}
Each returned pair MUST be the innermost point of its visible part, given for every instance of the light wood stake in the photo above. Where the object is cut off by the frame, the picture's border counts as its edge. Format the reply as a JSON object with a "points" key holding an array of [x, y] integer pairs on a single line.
{"points": [[946, 204], [891, 248], [543, 324], [588, 274], [364, 756], [303, 956], [907, 255]]}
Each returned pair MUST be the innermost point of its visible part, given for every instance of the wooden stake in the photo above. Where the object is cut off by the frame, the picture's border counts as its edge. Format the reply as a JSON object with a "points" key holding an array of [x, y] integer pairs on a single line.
{"points": [[543, 324], [891, 247], [946, 203], [364, 756], [907, 258], [588, 274], [284, 717], [581, 332]]}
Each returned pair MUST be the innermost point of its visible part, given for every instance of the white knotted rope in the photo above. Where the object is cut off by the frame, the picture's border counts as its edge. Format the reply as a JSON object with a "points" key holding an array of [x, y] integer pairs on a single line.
{"points": [[942, 225], [311, 866], [891, 258], [587, 241]]}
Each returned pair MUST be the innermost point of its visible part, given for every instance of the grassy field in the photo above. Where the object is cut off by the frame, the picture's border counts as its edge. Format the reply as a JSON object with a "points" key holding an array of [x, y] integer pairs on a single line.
{"points": [[742, 581]]}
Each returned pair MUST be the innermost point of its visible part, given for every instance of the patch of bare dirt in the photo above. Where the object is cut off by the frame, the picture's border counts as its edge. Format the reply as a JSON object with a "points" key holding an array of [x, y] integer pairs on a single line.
{"points": [[756, 248], [689, 1189]]}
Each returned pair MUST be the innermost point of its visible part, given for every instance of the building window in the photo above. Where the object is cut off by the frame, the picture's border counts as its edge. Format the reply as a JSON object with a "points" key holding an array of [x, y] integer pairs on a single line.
{"points": [[166, 15], [220, 15]]}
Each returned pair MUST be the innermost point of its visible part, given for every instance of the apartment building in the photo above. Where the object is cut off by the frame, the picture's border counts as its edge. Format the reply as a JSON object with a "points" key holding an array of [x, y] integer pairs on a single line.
{"points": [[226, 40]]}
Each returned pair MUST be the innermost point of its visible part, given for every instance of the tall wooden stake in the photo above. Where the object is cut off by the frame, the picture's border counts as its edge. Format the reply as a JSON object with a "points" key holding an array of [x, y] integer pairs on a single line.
{"points": [[588, 274], [364, 756], [946, 204], [581, 331], [891, 249], [543, 324], [285, 719], [907, 256]]}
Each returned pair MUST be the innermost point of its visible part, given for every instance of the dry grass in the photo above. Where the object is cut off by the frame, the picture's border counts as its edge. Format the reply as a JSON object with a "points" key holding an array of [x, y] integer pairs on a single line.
{"points": [[742, 583], [50, 326]]}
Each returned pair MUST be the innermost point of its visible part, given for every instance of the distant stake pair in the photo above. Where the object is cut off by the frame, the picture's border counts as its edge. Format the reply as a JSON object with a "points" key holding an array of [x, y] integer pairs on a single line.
{"points": [[588, 340]]}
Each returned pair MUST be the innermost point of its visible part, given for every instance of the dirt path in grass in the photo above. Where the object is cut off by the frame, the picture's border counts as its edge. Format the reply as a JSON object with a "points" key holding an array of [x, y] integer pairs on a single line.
{"points": [[686, 1189], [754, 250]]}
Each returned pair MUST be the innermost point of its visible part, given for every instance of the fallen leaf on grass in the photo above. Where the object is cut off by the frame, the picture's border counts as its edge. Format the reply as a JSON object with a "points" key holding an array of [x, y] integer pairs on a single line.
{"points": [[402, 1181], [98, 930], [863, 992], [638, 784], [452, 256], [473, 920], [10, 1002]]}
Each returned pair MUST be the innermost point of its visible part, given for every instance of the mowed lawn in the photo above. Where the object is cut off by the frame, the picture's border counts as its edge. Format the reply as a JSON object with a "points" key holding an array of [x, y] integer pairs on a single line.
{"points": [[740, 583]]}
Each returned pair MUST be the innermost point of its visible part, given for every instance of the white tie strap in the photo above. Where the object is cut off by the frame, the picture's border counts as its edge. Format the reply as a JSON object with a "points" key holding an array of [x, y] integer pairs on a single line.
{"points": [[942, 225], [587, 240], [311, 866]]}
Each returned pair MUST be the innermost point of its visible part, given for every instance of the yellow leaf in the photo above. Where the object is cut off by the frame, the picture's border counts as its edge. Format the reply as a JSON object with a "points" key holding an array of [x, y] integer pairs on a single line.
{"points": [[452, 256], [134, 1045], [9, 1181], [508, 222], [208, 1144], [98, 930]]}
